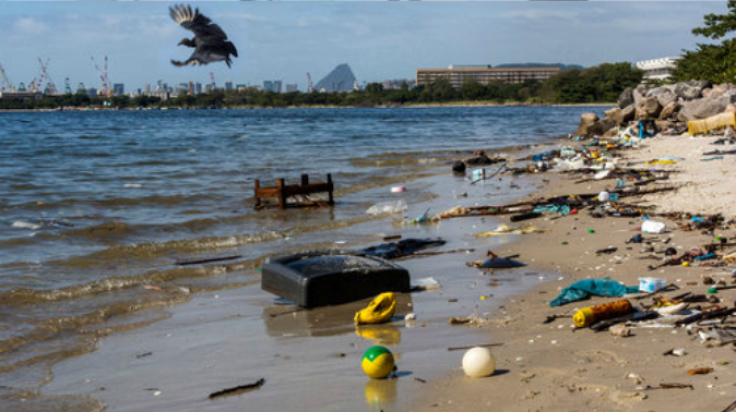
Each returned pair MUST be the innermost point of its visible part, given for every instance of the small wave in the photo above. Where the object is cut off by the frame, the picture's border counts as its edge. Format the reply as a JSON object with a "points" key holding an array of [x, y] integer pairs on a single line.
{"points": [[89, 136]]}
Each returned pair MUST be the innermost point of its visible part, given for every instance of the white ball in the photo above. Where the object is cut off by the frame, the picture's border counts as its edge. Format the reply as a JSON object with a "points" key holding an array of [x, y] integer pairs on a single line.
{"points": [[478, 362], [603, 197]]}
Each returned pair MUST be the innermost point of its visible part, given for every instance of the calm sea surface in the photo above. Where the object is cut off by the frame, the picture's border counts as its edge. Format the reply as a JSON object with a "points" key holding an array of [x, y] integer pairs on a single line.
{"points": [[97, 208]]}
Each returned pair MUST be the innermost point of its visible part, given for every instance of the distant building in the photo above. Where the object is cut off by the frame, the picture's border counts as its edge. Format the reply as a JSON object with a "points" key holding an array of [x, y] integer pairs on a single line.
{"points": [[658, 69], [397, 84], [91, 92], [163, 95], [147, 88], [24, 96], [118, 89], [268, 86], [229, 85], [458, 75], [340, 79], [291, 88]]}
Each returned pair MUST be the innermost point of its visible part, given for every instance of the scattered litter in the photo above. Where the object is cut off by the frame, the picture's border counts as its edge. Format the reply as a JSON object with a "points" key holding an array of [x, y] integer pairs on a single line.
{"points": [[585, 288], [620, 330], [496, 262], [398, 206], [425, 284], [669, 386], [380, 310], [676, 352], [700, 371], [503, 229], [588, 316]]}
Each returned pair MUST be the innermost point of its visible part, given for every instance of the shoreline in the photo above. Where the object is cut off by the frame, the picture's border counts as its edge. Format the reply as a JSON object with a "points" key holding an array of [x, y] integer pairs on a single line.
{"points": [[406, 106]]}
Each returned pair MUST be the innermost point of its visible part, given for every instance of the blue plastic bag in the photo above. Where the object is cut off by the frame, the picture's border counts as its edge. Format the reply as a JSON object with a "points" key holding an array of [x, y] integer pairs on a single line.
{"points": [[586, 288]]}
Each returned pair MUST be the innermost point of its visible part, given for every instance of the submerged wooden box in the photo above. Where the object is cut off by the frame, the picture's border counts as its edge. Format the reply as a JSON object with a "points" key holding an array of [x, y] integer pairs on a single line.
{"points": [[281, 192]]}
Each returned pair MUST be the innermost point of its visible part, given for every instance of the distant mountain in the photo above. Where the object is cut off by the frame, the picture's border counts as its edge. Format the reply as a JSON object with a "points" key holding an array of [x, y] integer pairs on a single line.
{"points": [[563, 67], [341, 79]]}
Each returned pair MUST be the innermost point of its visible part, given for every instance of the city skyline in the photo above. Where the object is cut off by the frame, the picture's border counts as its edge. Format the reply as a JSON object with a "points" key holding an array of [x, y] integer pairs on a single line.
{"points": [[285, 41]]}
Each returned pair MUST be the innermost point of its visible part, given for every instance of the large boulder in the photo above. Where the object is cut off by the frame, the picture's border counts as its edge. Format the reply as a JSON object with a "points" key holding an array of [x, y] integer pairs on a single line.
{"points": [[587, 121], [720, 90], [669, 111], [731, 108], [591, 125], [640, 93], [649, 109], [700, 109], [628, 113], [626, 98], [614, 114], [663, 95], [691, 90]]}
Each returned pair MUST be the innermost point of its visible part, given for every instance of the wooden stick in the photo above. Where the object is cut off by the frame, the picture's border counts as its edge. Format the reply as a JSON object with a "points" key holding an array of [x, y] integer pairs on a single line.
{"points": [[237, 390], [208, 260]]}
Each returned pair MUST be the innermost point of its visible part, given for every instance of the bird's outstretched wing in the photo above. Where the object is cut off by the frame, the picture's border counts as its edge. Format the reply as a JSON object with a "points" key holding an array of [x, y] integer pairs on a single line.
{"points": [[197, 22]]}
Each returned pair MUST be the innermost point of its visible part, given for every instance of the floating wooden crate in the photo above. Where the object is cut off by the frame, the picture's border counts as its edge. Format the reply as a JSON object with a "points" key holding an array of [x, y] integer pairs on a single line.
{"points": [[282, 191]]}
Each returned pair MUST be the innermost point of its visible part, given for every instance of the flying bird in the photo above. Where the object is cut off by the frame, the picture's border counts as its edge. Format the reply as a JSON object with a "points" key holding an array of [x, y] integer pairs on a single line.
{"points": [[209, 42]]}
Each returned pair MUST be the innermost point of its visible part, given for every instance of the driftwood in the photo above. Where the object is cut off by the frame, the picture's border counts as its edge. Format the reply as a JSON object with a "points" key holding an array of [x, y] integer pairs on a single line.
{"points": [[208, 260], [669, 386], [573, 201], [237, 390], [426, 254], [716, 313], [634, 317]]}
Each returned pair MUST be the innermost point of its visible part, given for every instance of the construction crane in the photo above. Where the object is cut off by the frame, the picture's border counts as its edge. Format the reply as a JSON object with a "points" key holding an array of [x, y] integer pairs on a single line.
{"points": [[6, 82], [310, 88], [50, 86], [38, 84], [103, 76], [212, 82]]}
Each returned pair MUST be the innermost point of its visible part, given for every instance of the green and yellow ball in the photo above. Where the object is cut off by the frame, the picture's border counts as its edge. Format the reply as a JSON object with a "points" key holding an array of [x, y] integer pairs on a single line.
{"points": [[378, 362]]}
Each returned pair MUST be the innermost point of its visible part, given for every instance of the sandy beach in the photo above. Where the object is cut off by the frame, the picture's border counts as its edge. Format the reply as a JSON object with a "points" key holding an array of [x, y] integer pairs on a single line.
{"points": [[310, 359]]}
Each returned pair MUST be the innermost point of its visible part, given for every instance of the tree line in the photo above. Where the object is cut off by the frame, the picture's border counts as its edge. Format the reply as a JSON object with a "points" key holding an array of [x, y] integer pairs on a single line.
{"points": [[603, 83]]}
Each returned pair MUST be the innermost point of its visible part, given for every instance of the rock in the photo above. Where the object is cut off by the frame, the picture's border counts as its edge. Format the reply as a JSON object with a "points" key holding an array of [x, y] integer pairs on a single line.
{"points": [[731, 108], [626, 98], [603, 126], [628, 113], [700, 109], [651, 106], [691, 90], [648, 109], [669, 111], [614, 114], [719, 90], [663, 124], [706, 92], [587, 121], [640, 93], [663, 95], [620, 330]]}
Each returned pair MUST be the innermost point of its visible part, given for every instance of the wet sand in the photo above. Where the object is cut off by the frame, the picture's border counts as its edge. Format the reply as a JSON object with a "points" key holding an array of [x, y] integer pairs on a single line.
{"points": [[309, 359]]}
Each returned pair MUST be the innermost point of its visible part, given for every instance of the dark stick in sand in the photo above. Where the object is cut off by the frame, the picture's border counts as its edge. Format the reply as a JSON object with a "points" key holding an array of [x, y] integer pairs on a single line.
{"points": [[237, 390]]}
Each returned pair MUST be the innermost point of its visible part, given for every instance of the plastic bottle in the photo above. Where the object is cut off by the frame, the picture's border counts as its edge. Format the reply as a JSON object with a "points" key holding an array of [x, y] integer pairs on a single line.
{"points": [[592, 314]]}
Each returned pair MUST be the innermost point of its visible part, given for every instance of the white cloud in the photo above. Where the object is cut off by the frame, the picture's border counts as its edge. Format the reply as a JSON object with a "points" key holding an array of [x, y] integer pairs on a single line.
{"points": [[29, 26]]}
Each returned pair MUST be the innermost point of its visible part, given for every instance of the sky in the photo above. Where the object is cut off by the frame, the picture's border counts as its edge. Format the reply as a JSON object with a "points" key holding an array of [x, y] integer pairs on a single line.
{"points": [[379, 40]]}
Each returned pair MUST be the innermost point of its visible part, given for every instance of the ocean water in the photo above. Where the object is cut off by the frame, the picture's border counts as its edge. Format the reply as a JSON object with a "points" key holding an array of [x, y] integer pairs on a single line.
{"points": [[98, 208]]}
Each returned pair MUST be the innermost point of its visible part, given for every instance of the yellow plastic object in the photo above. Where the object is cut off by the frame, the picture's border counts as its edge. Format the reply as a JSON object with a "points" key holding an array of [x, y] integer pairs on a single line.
{"points": [[592, 314], [380, 310], [662, 162], [712, 123]]}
